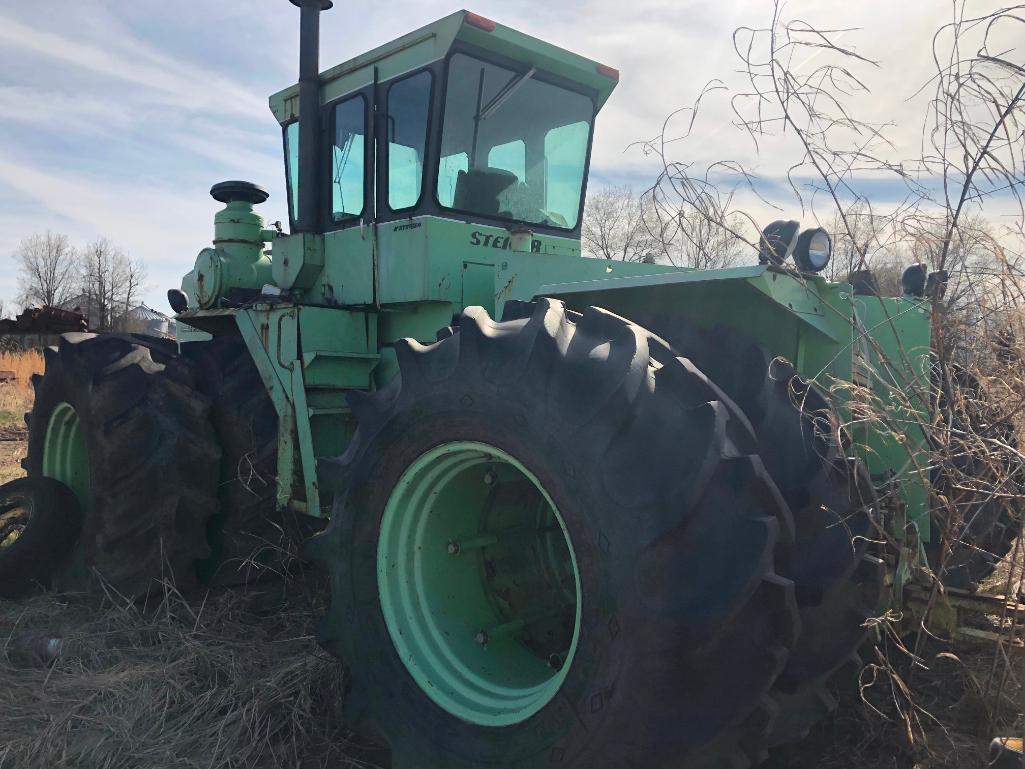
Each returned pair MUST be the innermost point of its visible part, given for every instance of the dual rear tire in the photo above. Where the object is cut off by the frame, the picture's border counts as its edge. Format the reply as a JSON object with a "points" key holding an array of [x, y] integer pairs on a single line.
{"points": [[39, 523], [676, 648]]}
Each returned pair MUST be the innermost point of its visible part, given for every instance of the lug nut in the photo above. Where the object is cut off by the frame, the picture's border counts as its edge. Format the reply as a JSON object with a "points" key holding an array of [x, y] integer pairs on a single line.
{"points": [[455, 546]]}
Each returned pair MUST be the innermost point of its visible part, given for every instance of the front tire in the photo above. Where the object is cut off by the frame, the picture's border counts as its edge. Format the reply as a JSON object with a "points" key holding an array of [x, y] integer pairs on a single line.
{"points": [[651, 633]]}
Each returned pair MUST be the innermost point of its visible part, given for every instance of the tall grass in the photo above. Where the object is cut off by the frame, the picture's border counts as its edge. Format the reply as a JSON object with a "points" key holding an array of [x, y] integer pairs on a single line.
{"points": [[16, 395], [230, 680]]}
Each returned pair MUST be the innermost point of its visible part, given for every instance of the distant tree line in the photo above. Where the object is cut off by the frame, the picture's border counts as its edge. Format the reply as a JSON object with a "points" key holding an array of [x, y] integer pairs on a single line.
{"points": [[99, 279], [623, 226]]}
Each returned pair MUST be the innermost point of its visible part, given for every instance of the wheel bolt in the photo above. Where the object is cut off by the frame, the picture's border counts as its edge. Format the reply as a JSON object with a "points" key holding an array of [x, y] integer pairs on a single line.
{"points": [[455, 546], [482, 637], [489, 478]]}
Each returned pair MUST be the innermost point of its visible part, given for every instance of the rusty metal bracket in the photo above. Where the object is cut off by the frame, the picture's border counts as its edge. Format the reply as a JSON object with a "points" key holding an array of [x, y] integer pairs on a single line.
{"points": [[945, 610]]}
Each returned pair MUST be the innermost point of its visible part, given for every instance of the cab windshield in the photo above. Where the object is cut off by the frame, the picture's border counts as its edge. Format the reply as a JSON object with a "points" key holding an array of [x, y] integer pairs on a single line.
{"points": [[513, 146]]}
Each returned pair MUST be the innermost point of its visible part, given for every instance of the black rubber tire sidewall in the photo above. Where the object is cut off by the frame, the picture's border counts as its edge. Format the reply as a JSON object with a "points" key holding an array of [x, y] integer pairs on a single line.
{"points": [[601, 647], [52, 528], [676, 526], [616, 684]]}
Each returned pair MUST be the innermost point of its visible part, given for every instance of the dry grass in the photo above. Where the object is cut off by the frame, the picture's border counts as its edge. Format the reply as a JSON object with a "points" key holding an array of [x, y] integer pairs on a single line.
{"points": [[11, 454], [956, 712], [229, 678], [16, 395], [232, 679]]}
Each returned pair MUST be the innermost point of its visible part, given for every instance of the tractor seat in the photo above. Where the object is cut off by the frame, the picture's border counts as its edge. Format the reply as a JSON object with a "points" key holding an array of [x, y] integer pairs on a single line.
{"points": [[477, 190]]}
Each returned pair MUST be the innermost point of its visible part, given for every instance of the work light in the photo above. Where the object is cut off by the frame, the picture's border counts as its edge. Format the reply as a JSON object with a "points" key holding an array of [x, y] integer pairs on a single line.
{"points": [[777, 242], [913, 280], [814, 248]]}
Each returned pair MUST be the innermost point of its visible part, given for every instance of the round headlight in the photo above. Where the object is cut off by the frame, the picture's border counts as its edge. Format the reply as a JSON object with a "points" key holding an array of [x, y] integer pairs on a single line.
{"points": [[813, 251], [777, 241]]}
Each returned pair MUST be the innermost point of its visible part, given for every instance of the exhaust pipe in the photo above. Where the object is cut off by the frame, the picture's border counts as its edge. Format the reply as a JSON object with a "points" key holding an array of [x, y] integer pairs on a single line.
{"points": [[309, 113]]}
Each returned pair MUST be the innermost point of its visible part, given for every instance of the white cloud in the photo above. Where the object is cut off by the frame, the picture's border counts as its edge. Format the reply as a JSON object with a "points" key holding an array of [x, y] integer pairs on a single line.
{"points": [[131, 80], [147, 223], [121, 58]]}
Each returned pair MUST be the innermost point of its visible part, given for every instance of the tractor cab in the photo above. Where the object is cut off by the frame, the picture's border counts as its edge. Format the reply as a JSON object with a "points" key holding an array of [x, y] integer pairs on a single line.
{"points": [[431, 161], [463, 119], [420, 177]]}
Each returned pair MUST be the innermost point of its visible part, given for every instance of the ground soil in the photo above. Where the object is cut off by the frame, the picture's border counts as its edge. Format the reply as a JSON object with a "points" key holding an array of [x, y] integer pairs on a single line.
{"points": [[234, 678]]}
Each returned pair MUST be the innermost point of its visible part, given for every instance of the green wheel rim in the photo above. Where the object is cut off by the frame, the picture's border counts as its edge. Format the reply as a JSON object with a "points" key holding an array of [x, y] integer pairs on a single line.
{"points": [[65, 456], [478, 584]]}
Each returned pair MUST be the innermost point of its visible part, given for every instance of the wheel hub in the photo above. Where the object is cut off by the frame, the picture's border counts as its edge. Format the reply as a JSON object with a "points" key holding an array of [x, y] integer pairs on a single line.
{"points": [[478, 583]]}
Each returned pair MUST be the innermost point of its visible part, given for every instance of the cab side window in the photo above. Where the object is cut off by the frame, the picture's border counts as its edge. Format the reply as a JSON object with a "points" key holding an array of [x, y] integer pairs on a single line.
{"points": [[348, 168], [409, 102]]}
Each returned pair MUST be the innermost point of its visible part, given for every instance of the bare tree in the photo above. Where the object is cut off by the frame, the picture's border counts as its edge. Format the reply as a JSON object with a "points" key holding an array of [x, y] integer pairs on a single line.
{"points": [[701, 243], [976, 121], [111, 283], [614, 226], [855, 234], [47, 269], [887, 269]]}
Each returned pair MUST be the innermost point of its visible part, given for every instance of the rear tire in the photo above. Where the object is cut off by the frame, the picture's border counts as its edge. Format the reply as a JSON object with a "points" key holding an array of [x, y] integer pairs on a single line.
{"points": [[837, 576], [684, 622], [148, 459]]}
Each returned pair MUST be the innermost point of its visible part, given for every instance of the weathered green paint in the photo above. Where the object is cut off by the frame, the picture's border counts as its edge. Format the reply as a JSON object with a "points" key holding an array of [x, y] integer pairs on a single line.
{"points": [[348, 274], [896, 344], [236, 259], [802, 318], [298, 260], [423, 259], [339, 353]]}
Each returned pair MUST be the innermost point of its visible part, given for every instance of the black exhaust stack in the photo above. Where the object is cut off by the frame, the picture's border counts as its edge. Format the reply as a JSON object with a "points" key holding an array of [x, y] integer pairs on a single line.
{"points": [[309, 113]]}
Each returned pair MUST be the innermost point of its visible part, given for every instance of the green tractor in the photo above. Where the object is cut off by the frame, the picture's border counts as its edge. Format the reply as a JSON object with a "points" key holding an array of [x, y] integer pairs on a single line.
{"points": [[574, 512]]}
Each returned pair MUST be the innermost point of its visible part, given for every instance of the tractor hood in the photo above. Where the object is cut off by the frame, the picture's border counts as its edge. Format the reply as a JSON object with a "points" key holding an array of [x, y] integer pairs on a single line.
{"points": [[801, 317]]}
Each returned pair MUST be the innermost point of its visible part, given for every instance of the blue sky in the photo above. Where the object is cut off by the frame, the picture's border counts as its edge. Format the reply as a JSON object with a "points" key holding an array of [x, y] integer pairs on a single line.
{"points": [[119, 115]]}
